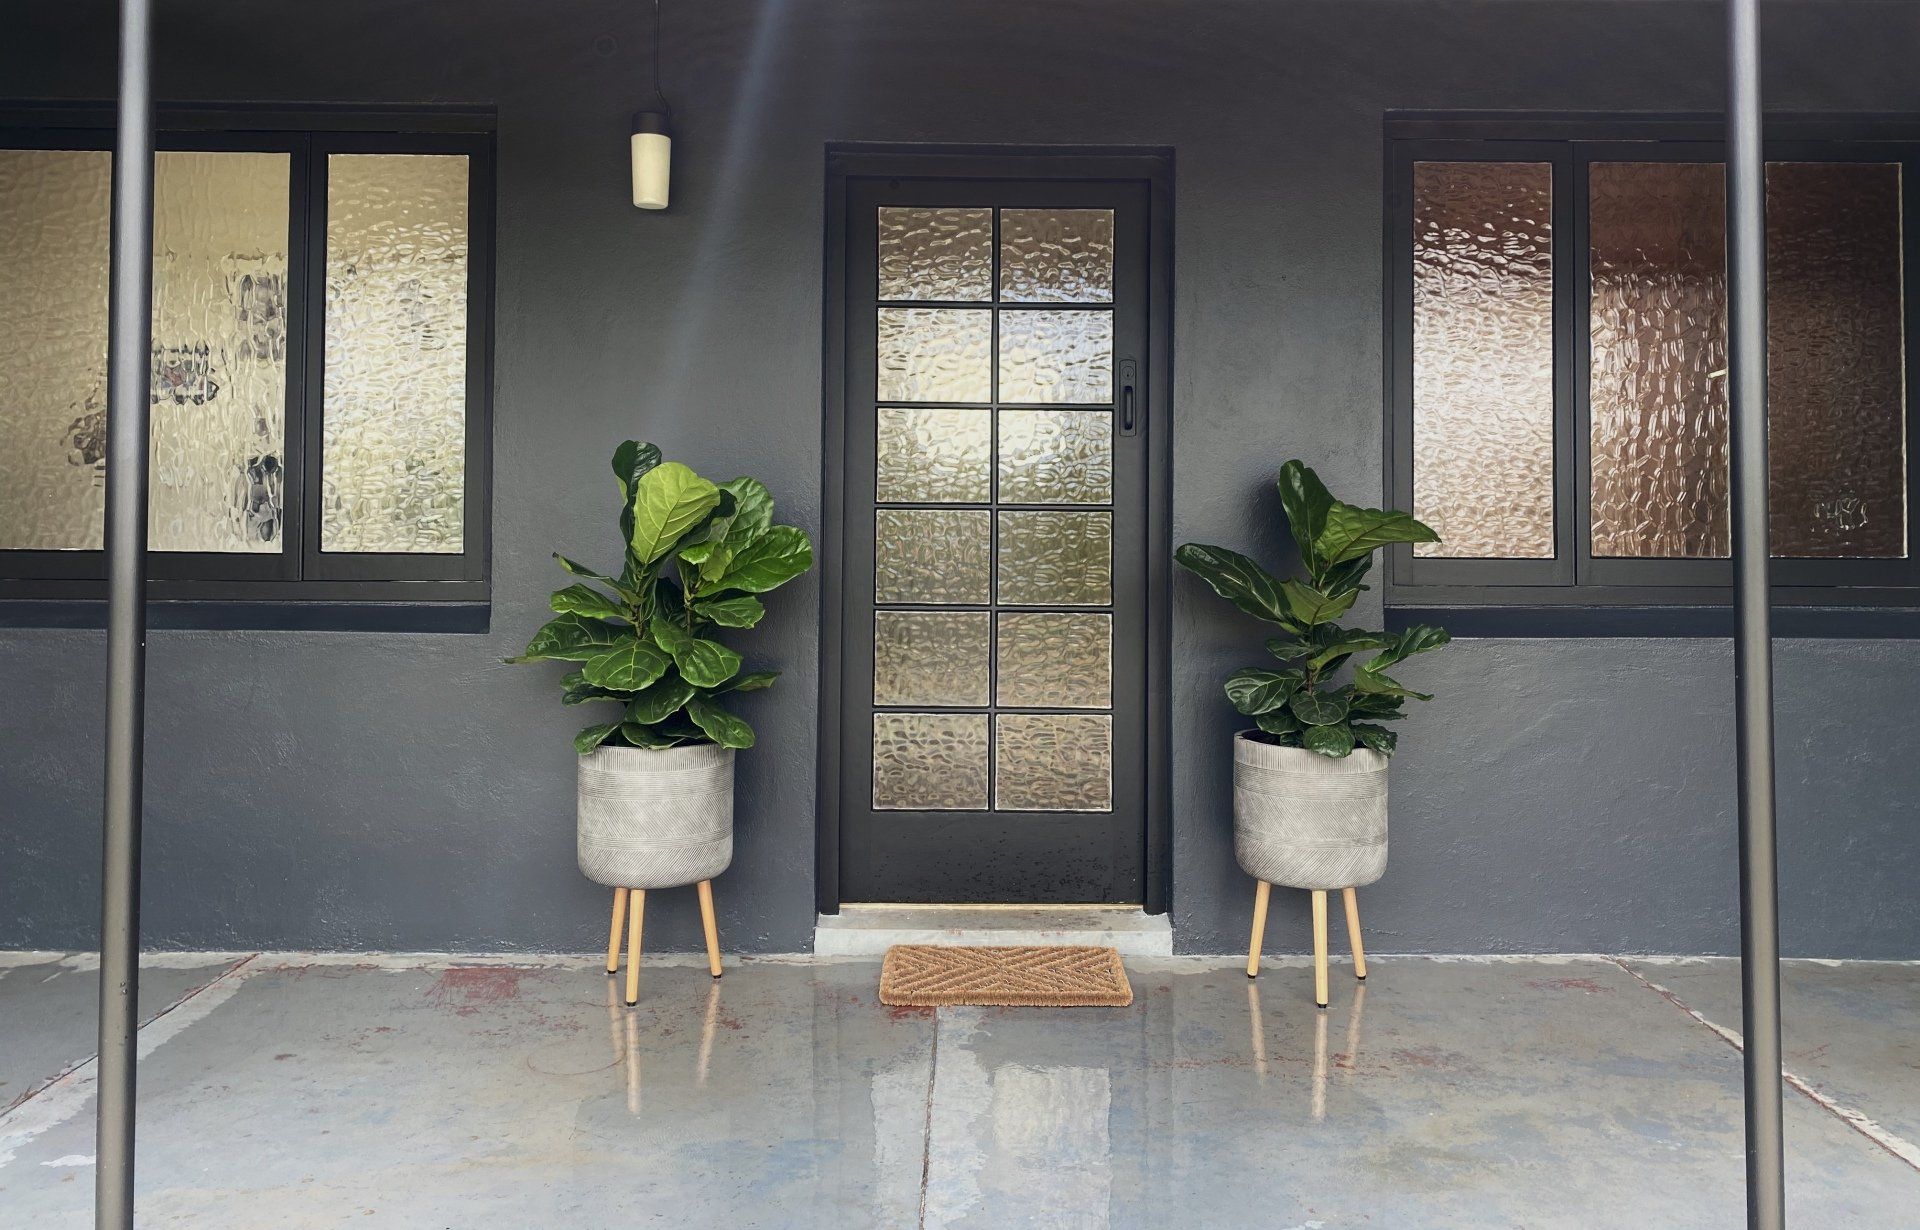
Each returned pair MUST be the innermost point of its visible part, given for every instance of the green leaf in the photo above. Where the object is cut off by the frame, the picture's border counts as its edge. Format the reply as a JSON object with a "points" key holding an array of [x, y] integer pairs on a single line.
{"points": [[720, 726], [593, 736], [1287, 648], [627, 667], [1353, 532], [631, 461], [581, 570], [1333, 741], [588, 601], [572, 638], [576, 691], [1375, 705], [1255, 690], [1345, 644], [1320, 708], [1306, 501], [660, 701], [1379, 738], [1418, 639], [752, 682], [1369, 680], [742, 612], [1343, 577], [770, 560], [1278, 722], [669, 500], [1310, 607], [644, 737], [703, 663], [1236, 578]]}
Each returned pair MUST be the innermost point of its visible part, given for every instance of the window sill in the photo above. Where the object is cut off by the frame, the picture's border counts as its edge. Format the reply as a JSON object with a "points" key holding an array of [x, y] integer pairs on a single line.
{"points": [[1790, 622], [259, 616]]}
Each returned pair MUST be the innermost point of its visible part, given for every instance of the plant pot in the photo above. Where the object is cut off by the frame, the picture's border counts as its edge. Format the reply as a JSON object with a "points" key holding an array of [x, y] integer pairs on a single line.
{"points": [[1303, 820], [655, 819]]}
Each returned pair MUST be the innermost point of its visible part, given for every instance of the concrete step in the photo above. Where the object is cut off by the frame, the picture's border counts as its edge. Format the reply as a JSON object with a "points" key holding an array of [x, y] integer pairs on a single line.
{"points": [[869, 930]]}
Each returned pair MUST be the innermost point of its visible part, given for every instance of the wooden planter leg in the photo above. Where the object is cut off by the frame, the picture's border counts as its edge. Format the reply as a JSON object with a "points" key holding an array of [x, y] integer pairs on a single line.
{"points": [[713, 929], [1259, 927], [1353, 934], [636, 907], [1320, 946], [613, 932]]}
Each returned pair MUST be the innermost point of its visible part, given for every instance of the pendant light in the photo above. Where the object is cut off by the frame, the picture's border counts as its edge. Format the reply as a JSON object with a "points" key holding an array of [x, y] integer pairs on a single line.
{"points": [[651, 146]]}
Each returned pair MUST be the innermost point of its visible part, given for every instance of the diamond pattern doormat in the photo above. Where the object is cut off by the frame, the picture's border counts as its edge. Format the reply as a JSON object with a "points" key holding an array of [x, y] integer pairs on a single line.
{"points": [[930, 975]]}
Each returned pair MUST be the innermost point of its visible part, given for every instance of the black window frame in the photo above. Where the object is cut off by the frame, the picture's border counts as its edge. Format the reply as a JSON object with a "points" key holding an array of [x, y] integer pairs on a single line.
{"points": [[1424, 587], [237, 589]]}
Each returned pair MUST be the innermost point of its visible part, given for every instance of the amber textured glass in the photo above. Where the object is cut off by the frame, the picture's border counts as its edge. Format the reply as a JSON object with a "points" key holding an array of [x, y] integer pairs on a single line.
{"points": [[935, 354], [941, 254], [1056, 255], [1056, 356], [1053, 762], [930, 761], [1483, 358], [933, 455], [931, 657], [932, 555], [1055, 660], [1055, 558], [1056, 456]]}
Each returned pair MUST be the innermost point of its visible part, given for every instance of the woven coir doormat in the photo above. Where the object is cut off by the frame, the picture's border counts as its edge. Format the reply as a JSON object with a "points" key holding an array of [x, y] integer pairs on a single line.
{"points": [[929, 975]]}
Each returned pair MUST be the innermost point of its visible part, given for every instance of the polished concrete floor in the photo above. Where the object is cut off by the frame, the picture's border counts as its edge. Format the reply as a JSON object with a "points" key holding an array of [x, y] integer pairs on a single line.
{"points": [[291, 1091]]}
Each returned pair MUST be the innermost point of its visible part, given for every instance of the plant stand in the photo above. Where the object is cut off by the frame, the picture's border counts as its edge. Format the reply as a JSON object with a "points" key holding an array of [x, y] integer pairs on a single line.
{"points": [[632, 904], [1352, 897]]}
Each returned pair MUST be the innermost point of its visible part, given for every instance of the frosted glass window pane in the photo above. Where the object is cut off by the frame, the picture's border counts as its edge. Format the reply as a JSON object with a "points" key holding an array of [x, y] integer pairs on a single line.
{"points": [[1056, 456], [219, 351], [393, 470], [930, 657], [1053, 762], [930, 761], [931, 555], [1056, 558], [1483, 357], [1056, 255], [935, 354], [933, 454], [55, 221], [1055, 660], [1056, 357], [944, 254]]}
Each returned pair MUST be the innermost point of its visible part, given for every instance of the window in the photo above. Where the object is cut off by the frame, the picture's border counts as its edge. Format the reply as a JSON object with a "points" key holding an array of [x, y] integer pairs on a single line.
{"points": [[320, 337], [1557, 342]]}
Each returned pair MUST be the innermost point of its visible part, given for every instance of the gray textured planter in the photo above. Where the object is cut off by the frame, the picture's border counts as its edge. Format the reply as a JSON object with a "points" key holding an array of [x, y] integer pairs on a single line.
{"points": [[1303, 820], [656, 819]]}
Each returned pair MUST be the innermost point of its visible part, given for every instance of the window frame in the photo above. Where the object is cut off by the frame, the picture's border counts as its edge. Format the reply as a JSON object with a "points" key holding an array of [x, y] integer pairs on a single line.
{"points": [[1575, 577], [33, 582]]}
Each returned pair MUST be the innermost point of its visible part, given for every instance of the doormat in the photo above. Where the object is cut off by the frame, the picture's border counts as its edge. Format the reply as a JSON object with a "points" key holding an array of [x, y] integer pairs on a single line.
{"points": [[1065, 976]]}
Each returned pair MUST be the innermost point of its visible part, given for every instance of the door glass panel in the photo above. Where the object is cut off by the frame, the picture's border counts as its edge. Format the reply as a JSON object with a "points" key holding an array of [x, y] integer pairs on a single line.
{"points": [[941, 254], [1053, 762], [1056, 558], [930, 761], [1056, 456], [930, 657], [932, 555], [935, 354], [1056, 255], [933, 455], [1055, 660], [1055, 357]]}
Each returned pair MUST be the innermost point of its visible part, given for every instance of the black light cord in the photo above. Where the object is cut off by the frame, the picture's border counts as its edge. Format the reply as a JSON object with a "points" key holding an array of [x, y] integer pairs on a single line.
{"points": [[657, 92]]}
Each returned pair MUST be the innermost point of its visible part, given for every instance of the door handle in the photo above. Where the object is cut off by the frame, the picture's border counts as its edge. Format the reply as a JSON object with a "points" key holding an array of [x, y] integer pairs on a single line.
{"points": [[1129, 397]]}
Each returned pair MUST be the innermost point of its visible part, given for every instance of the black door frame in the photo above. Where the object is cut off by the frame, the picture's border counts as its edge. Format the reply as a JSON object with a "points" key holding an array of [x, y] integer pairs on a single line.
{"points": [[1152, 167]]}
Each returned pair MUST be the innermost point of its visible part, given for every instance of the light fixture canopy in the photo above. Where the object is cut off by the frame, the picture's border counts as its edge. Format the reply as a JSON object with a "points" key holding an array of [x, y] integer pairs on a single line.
{"points": [[652, 154]]}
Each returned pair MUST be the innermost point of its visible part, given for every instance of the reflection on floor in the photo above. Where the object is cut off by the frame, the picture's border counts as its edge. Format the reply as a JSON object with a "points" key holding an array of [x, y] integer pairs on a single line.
{"points": [[294, 1091]]}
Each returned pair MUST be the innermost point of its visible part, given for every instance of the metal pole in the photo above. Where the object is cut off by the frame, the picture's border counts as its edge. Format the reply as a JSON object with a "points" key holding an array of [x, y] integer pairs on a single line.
{"points": [[1753, 634], [129, 336]]}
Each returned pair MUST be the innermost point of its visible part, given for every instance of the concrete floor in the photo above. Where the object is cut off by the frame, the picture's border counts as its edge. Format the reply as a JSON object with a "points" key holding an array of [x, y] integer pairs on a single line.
{"points": [[293, 1091]]}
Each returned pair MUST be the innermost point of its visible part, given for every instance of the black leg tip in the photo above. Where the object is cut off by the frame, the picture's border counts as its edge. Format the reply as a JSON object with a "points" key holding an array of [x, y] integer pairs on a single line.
{"points": [[634, 1003], [1322, 1006], [1360, 977]]}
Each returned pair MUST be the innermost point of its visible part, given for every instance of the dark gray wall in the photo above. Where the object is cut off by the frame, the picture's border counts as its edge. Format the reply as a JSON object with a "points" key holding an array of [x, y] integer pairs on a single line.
{"points": [[406, 791]]}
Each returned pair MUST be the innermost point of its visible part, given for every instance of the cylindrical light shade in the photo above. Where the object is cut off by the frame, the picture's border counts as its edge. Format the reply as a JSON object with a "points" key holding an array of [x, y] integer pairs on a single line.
{"points": [[652, 159]]}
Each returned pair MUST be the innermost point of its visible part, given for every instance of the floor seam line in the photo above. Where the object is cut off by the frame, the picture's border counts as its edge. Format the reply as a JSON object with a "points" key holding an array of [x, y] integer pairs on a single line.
{"points": [[926, 1139], [1896, 1146]]}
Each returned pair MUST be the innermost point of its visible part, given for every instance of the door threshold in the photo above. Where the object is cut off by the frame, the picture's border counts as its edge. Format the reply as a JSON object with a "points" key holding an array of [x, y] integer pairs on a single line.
{"points": [[869, 930]]}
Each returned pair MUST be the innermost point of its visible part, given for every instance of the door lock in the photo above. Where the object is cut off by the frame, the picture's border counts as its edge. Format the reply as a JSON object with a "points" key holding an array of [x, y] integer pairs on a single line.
{"points": [[1129, 397]]}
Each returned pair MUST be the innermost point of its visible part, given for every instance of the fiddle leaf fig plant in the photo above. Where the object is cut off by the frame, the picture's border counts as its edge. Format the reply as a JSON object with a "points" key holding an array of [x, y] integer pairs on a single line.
{"points": [[1302, 703], [698, 555]]}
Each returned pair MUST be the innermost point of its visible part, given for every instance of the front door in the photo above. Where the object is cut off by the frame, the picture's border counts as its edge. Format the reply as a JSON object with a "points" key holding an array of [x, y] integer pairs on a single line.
{"points": [[993, 658]]}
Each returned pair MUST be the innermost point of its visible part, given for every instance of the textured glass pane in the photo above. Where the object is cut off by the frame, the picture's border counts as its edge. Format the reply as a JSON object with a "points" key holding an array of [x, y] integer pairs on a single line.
{"points": [[219, 350], [1056, 356], [1836, 393], [1056, 255], [393, 471], [936, 253], [930, 657], [1056, 558], [1056, 456], [54, 226], [933, 454], [1055, 659], [1053, 762], [1483, 357], [930, 761], [935, 354], [931, 555], [1659, 428]]}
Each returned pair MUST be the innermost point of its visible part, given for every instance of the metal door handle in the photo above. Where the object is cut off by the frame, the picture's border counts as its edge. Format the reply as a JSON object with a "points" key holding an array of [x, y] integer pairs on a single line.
{"points": [[1129, 399]]}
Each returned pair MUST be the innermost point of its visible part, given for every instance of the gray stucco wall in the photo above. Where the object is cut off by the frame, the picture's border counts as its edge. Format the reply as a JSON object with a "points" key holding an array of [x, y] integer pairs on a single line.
{"points": [[361, 790]]}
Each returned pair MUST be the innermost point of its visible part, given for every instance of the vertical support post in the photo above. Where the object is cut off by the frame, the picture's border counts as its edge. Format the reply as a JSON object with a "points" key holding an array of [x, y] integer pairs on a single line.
{"points": [[130, 326], [1753, 633]]}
